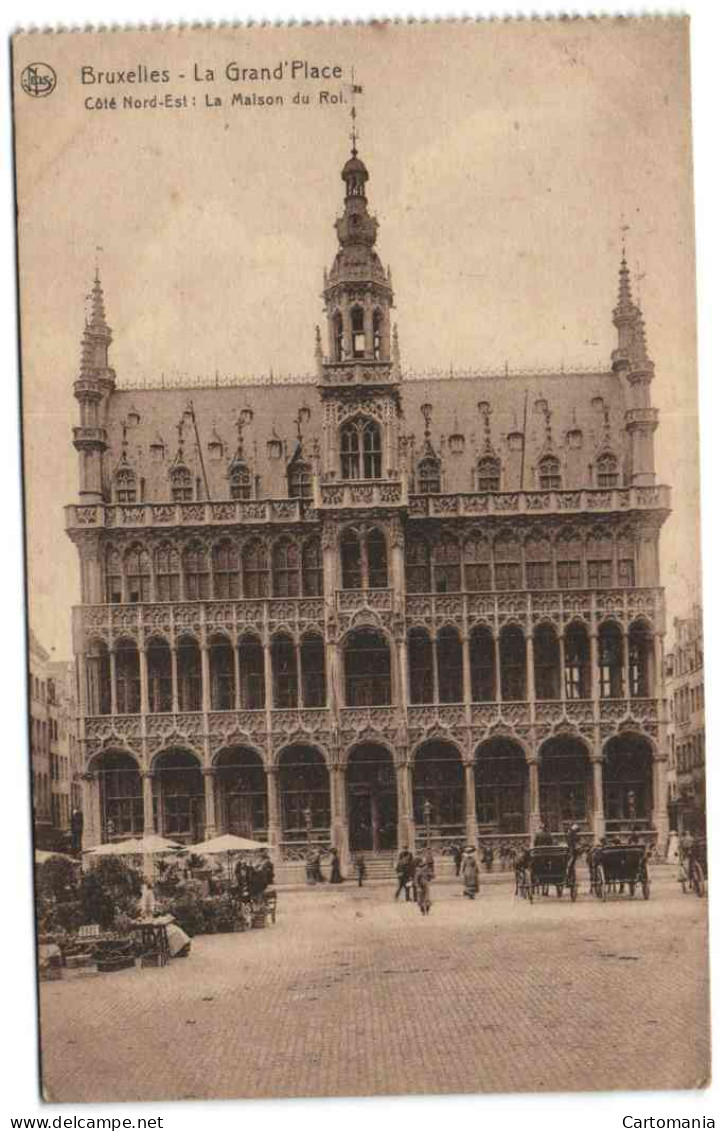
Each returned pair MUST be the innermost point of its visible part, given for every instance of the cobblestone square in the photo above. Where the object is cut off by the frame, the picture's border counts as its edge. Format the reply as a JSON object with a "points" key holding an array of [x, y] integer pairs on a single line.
{"points": [[351, 993]]}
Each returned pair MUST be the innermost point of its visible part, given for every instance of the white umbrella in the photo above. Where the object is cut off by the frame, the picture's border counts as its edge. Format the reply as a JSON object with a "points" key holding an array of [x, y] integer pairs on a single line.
{"points": [[41, 856], [227, 842]]}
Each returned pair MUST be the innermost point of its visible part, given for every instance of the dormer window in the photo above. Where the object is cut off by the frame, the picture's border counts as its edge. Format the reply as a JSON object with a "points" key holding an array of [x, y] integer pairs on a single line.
{"points": [[488, 474], [125, 485], [240, 481], [429, 476], [182, 488], [550, 477], [607, 470], [300, 480], [357, 325]]}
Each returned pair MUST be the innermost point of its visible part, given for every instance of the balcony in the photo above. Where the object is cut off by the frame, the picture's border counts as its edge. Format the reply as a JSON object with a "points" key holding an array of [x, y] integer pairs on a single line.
{"points": [[230, 512], [583, 501], [358, 494], [558, 605]]}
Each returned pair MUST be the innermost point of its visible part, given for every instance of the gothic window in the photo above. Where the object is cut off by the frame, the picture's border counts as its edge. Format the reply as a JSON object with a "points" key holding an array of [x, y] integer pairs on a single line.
{"points": [[546, 662], [538, 562], [360, 449], [351, 560], [286, 568], [606, 470], [114, 579], [221, 673], [418, 565], [377, 335], [626, 561], [447, 565], [357, 326], [284, 671], [367, 669], [449, 660], [312, 664], [252, 674], [128, 679], [429, 476], [255, 572], [600, 560], [196, 573], [377, 560], [158, 665], [420, 666], [98, 677], [240, 481], [189, 674], [550, 476], [138, 574], [225, 570], [507, 563], [300, 480], [568, 552], [513, 659], [488, 474], [168, 573], [182, 489], [477, 564], [610, 652], [640, 660], [312, 568], [482, 660], [338, 336], [125, 484], [577, 662]]}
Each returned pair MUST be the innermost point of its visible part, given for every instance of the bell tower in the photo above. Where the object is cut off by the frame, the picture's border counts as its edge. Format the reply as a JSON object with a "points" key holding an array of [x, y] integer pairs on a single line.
{"points": [[359, 376]]}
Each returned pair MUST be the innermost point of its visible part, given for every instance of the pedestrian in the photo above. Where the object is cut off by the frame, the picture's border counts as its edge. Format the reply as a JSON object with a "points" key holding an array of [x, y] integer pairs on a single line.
{"points": [[422, 882], [470, 873], [457, 853], [543, 837], [429, 860], [488, 857], [336, 876], [360, 868], [403, 873]]}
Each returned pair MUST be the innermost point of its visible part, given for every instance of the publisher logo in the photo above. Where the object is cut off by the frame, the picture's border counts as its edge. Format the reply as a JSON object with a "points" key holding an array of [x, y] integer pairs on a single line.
{"points": [[38, 80]]}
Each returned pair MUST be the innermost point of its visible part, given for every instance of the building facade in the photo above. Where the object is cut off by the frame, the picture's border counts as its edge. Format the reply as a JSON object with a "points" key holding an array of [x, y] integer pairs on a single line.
{"points": [[38, 659], [55, 752], [687, 737], [371, 608]]}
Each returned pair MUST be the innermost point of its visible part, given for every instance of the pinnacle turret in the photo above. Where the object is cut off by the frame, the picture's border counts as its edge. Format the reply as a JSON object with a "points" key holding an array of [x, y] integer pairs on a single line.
{"points": [[96, 339]]}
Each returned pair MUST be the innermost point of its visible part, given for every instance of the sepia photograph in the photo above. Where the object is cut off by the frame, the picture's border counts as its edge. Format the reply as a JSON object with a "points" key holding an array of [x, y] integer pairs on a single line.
{"points": [[364, 614]]}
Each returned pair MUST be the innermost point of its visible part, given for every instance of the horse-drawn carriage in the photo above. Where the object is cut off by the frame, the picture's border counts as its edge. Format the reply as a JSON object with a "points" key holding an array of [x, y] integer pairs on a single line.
{"points": [[693, 868], [544, 867], [615, 867]]}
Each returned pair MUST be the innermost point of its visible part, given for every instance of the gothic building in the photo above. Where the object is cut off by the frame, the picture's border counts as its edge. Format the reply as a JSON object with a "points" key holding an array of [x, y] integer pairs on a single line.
{"points": [[371, 609], [687, 733]]}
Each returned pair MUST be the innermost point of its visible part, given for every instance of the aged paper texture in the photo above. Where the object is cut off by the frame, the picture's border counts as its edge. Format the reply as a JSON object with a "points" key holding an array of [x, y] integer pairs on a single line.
{"points": [[361, 483]]}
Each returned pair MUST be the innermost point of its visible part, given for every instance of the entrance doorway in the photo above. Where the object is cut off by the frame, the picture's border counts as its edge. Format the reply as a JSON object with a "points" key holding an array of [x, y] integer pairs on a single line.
{"points": [[372, 804]]}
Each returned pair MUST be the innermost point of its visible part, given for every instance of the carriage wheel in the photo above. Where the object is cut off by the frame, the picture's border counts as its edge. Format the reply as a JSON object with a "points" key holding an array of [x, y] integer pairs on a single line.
{"points": [[602, 888], [573, 892], [699, 884]]}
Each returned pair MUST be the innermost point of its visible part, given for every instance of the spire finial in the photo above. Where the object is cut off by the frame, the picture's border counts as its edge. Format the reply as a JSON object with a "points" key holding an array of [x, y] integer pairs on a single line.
{"points": [[354, 89]]}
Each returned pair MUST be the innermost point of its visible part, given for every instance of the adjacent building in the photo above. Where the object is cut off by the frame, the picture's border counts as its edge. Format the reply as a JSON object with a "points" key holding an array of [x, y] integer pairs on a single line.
{"points": [[369, 607], [687, 738], [55, 753]]}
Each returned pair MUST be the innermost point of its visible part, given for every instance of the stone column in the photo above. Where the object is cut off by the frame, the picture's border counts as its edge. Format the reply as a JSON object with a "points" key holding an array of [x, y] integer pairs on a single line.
{"points": [[91, 812], [174, 680], [274, 833], [466, 666], [298, 672], [436, 666], [497, 669], [531, 689], [406, 827], [144, 677], [563, 666], [147, 788], [626, 665], [114, 689], [237, 679], [595, 670], [598, 809], [210, 816], [338, 815], [206, 696], [269, 696], [534, 809], [660, 800], [472, 825]]}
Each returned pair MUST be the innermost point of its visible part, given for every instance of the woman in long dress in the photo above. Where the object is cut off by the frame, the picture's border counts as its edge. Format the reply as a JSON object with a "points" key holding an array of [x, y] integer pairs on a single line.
{"points": [[470, 873]]}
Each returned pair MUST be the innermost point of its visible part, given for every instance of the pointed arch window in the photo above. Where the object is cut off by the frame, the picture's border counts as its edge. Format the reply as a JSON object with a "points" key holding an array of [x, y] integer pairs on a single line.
{"points": [[477, 563], [357, 325], [488, 474], [114, 577], [429, 476], [338, 336], [182, 487], [606, 470], [418, 565], [255, 571], [286, 568], [538, 562], [300, 480], [377, 335], [125, 485], [568, 551], [312, 568], [550, 474], [377, 553], [240, 481], [138, 575], [447, 565], [360, 449], [196, 573], [168, 573], [351, 560], [600, 560], [225, 570], [507, 563], [626, 560]]}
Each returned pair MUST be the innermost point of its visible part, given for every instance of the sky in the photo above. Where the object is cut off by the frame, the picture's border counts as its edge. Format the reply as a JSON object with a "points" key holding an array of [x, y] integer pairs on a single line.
{"points": [[504, 160]]}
